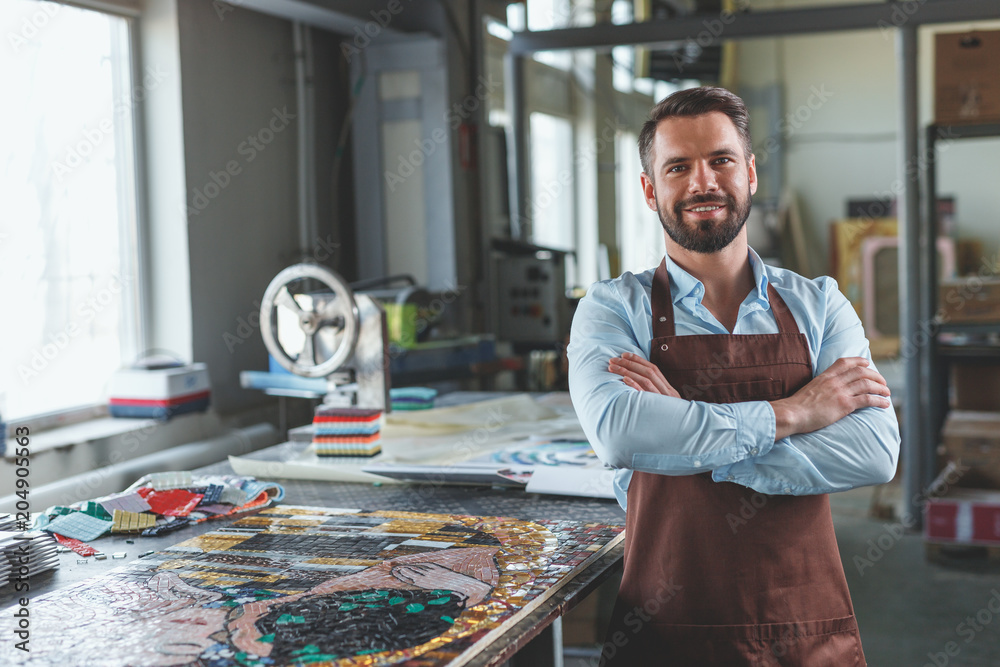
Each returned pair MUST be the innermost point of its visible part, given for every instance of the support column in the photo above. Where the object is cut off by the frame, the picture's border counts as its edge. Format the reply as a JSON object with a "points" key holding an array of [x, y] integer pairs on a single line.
{"points": [[916, 440]]}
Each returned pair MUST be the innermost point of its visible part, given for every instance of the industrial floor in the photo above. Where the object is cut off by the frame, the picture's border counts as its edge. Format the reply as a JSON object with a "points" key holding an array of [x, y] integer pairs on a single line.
{"points": [[911, 612]]}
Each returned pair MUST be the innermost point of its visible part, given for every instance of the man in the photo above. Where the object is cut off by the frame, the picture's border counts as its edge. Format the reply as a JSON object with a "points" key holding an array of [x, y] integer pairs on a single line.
{"points": [[732, 397]]}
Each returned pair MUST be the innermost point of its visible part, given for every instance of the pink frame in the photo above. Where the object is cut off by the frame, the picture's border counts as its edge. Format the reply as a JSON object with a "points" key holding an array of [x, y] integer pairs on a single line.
{"points": [[869, 248]]}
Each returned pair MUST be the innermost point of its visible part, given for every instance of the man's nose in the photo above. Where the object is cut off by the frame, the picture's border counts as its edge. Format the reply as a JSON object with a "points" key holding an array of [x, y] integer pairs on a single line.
{"points": [[702, 179]]}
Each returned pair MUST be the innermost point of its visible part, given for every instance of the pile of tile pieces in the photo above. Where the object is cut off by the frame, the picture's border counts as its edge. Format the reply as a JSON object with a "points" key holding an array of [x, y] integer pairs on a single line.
{"points": [[347, 431], [154, 505], [412, 398], [24, 554]]}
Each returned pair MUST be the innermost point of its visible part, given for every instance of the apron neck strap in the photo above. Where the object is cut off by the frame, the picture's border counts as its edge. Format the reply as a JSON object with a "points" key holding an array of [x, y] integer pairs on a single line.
{"points": [[662, 306], [661, 302], [783, 316]]}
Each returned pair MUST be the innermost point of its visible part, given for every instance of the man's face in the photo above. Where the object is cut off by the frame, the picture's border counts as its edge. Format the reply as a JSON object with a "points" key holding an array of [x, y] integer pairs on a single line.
{"points": [[701, 182]]}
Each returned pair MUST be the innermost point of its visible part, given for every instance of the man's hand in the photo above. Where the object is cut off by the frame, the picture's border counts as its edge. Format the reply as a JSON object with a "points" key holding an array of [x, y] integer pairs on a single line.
{"points": [[847, 385], [641, 374]]}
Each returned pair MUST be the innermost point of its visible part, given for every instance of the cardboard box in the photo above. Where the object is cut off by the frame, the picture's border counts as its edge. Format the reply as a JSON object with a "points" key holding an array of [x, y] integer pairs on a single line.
{"points": [[969, 301], [967, 77], [964, 516], [973, 439], [159, 393], [976, 387]]}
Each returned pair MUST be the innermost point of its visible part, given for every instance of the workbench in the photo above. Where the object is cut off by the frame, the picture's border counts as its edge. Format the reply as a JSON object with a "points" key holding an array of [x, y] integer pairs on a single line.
{"points": [[536, 640]]}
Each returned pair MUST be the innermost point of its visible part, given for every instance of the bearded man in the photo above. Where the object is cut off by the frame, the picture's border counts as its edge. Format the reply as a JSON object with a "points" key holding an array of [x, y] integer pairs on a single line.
{"points": [[732, 397]]}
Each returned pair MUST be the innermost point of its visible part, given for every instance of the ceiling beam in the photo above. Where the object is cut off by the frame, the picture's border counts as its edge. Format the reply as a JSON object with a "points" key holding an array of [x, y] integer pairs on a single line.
{"points": [[708, 29], [316, 15]]}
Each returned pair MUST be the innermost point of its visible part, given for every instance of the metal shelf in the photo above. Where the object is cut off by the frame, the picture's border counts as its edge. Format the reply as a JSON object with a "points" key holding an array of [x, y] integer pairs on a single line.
{"points": [[934, 357], [969, 351], [970, 329]]}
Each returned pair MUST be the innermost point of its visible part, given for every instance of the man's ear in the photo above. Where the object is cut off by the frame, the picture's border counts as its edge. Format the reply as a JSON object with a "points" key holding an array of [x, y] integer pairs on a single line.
{"points": [[648, 191], [752, 174]]}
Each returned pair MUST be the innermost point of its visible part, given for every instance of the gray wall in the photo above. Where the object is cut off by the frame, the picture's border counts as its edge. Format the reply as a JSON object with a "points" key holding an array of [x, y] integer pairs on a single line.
{"points": [[235, 68], [238, 81]]}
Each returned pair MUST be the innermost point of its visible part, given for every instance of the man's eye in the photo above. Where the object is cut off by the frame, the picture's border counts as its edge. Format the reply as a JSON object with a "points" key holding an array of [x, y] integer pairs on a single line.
{"points": [[675, 169], [721, 160]]}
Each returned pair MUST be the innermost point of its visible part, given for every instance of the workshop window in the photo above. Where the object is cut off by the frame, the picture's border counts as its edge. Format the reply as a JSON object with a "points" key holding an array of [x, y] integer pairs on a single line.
{"points": [[544, 15], [640, 233], [552, 179], [68, 229]]}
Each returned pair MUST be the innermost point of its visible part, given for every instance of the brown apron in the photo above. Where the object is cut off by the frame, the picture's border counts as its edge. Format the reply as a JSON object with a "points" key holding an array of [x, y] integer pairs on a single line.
{"points": [[717, 574]]}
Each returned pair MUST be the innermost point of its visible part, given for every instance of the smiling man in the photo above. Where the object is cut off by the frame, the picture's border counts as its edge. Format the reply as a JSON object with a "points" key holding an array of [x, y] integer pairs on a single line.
{"points": [[732, 397]]}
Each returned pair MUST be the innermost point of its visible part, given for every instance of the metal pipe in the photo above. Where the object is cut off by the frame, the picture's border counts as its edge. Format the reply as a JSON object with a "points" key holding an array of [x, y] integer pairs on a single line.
{"points": [[517, 159], [309, 121], [303, 138]]}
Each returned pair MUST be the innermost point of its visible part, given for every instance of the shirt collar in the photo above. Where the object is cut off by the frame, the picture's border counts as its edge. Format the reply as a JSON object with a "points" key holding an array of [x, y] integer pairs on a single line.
{"points": [[683, 284]]}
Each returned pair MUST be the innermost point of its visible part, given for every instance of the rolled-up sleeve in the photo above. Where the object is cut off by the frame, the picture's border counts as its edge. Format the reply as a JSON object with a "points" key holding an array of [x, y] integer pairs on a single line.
{"points": [[859, 450], [642, 430]]}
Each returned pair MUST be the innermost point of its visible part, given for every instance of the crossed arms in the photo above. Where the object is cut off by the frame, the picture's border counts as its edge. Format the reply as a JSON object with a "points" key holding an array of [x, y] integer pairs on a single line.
{"points": [[837, 433]]}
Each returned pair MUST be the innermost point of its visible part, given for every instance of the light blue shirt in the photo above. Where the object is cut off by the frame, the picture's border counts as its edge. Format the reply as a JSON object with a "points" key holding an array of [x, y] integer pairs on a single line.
{"points": [[639, 430]]}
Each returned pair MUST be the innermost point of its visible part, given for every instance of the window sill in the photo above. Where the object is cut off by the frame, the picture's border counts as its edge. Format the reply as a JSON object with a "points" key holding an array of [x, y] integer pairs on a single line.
{"points": [[79, 433]]}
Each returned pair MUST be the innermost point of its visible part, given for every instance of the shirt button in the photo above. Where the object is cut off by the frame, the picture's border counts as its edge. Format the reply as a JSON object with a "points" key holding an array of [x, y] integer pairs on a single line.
{"points": [[663, 319], [754, 451], [730, 478], [697, 463], [787, 490], [664, 347]]}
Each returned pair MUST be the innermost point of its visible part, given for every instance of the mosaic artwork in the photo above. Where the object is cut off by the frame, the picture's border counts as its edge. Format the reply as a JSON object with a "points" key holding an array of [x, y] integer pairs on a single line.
{"points": [[309, 586]]}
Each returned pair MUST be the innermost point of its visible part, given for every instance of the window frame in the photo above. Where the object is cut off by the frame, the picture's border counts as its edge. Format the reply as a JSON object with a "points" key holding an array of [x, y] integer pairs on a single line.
{"points": [[133, 238]]}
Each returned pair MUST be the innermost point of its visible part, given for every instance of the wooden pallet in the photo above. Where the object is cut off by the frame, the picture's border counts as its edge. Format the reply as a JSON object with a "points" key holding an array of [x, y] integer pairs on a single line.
{"points": [[971, 555]]}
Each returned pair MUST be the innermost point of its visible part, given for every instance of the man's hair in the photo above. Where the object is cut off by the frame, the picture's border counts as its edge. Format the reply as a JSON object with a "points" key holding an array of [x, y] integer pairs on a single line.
{"points": [[694, 102]]}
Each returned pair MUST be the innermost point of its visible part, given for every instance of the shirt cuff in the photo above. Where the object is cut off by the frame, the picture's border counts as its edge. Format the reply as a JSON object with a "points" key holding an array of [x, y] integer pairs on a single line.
{"points": [[755, 431]]}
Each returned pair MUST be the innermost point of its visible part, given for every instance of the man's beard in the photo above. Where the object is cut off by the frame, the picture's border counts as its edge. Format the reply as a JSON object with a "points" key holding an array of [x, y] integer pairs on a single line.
{"points": [[705, 236]]}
